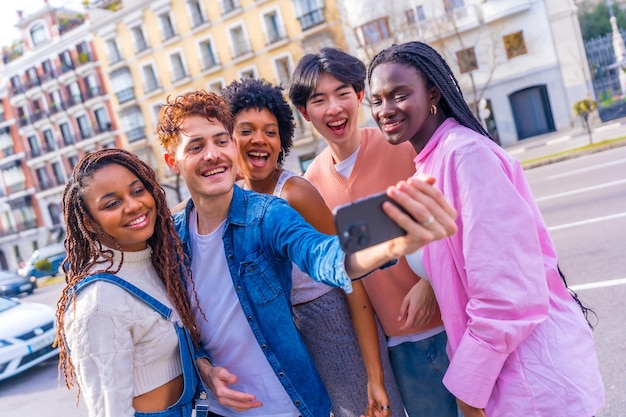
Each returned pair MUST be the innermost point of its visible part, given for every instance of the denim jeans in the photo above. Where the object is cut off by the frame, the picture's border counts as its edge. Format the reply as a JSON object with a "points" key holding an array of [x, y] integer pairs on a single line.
{"points": [[419, 368]]}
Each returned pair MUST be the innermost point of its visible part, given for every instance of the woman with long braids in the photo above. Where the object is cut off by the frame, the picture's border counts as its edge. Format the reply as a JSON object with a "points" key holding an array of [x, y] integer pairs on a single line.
{"points": [[518, 342], [123, 316]]}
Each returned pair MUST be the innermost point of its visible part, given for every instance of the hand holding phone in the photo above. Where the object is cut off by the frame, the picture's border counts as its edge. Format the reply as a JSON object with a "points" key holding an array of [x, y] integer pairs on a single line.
{"points": [[363, 223]]}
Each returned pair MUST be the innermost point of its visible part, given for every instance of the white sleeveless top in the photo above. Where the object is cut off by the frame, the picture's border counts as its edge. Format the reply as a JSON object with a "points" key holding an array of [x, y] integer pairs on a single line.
{"points": [[303, 287]]}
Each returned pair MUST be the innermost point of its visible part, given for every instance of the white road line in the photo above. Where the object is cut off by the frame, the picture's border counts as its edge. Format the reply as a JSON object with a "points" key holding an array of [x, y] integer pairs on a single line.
{"points": [[558, 140], [580, 190], [606, 127], [516, 151], [585, 222], [591, 168], [599, 284]]}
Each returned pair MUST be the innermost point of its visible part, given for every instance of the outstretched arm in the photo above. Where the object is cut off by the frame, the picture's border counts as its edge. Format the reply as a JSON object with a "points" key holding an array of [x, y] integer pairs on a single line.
{"points": [[430, 218], [218, 379]]}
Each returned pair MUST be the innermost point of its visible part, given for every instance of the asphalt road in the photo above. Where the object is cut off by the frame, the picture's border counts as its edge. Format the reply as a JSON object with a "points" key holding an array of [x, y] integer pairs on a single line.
{"points": [[583, 201]]}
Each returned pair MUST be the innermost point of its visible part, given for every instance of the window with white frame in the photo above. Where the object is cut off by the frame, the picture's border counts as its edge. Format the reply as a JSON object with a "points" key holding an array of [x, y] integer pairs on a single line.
{"points": [[114, 51], [216, 86], [133, 124], [102, 119], [66, 133], [452, 4], [177, 66], [196, 12], [38, 33], [415, 15], [167, 27], [150, 81], [141, 44], [239, 41], [84, 126], [93, 87], [274, 30], [122, 85], [49, 141], [207, 54], [74, 92], [248, 73], [59, 173], [229, 6], [283, 68], [374, 31], [309, 12]]}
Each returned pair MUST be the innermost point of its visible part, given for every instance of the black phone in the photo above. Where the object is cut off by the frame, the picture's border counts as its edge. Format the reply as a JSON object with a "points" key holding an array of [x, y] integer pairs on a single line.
{"points": [[363, 223]]}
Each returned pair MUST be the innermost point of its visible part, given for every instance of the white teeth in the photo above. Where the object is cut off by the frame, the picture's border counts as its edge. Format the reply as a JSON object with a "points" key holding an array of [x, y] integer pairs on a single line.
{"points": [[259, 154], [214, 171], [137, 221], [337, 123]]}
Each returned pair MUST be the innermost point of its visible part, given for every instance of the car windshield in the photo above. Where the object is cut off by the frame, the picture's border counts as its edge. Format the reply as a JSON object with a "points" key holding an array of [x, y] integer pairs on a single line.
{"points": [[6, 304]]}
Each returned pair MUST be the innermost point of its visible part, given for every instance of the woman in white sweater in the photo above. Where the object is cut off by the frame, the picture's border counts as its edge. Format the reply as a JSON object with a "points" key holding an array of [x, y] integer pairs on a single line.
{"points": [[123, 338]]}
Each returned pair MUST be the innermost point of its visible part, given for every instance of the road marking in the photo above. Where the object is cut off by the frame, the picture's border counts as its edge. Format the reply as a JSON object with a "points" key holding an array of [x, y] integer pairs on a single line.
{"points": [[607, 127], [599, 284], [516, 151], [591, 168], [558, 140], [581, 190], [585, 222]]}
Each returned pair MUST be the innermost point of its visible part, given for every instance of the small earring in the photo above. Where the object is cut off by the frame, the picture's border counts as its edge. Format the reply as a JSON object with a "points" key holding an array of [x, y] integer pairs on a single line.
{"points": [[281, 157], [433, 109]]}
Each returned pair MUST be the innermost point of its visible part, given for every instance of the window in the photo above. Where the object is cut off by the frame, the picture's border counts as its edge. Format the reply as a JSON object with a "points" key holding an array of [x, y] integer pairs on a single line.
{"points": [[56, 101], [84, 126], [72, 161], [167, 28], [31, 75], [229, 5], [207, 54], [59, 173], [122, 84], [452, 4], [150, 82], [114, 51], [247, 73], [196, 13], [467, 60], [102, 119], [93, 89], [6, 143], [178, 67], [273, 27], [309, 12], [38, 34], [66, 133], [283, 71], [74, 92], [140, 40], [50, 142], [66, 61], [373, 32], [514, 44], [48, 72], [43, 178], [216, 86], [415, 15], [239, 42], [33, 144], [132, 122]]}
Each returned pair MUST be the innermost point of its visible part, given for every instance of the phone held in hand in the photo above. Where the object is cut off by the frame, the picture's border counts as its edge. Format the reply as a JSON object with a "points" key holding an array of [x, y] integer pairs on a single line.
{"points": [[363, 223]]}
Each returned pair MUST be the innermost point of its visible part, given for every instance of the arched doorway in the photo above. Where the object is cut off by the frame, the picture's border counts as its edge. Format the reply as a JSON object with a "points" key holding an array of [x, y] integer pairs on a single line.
{"points": [[532, 111]]}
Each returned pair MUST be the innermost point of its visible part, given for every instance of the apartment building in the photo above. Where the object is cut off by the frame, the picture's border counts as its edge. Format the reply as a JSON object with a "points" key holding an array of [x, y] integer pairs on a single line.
{"points": [[54, 109], [521, 63], [152, 49]]}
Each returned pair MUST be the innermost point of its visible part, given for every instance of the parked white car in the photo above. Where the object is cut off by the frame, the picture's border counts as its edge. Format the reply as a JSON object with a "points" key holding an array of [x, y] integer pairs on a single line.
{"points": [[27, 331]]}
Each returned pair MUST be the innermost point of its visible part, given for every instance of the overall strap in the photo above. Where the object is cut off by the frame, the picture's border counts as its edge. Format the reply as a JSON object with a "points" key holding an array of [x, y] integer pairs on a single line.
{"points": [[159, 307]]}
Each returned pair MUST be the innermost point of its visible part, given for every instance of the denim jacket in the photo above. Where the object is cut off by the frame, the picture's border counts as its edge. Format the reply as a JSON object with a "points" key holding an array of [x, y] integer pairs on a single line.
{"points": [[262, 236]]}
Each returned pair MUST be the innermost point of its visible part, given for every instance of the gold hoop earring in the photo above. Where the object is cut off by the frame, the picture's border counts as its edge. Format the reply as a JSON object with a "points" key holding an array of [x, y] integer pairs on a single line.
{"points": [[433, 109]]}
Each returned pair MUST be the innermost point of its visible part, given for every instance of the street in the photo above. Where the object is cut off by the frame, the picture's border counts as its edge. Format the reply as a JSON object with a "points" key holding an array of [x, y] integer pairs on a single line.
{"points": [[583, 201]]}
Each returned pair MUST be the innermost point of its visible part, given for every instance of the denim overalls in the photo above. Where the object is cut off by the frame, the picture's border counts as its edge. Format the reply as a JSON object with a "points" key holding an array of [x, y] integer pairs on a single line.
{"points": [[185, 404]]}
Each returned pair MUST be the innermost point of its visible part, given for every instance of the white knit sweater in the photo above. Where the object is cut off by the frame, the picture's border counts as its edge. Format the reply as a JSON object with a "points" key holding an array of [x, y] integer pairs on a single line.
{"points": [[121, 347]]}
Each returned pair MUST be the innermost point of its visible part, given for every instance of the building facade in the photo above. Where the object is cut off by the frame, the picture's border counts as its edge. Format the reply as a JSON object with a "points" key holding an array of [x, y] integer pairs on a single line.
{"points": [[55, 108], [520, 63]]}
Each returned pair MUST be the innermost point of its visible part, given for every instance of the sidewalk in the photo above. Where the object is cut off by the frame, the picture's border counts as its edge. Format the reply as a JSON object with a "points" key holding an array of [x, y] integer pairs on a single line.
{"points": [[566, 144]]}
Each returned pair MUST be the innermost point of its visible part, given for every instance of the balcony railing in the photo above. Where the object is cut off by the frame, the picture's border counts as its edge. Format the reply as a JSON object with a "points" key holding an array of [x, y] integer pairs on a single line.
{"points": [[311, 19], [240, 49], [136, 134], [125, 95]]}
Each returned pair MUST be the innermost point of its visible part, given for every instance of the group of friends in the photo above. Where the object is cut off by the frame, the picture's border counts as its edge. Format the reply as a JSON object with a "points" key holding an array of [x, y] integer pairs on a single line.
{"points": [[244, 293]]}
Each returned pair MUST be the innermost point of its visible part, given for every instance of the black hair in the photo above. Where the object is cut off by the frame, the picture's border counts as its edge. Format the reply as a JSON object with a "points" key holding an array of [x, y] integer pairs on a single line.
{"points": [[431, 65], [341, 65], [252, 93]]}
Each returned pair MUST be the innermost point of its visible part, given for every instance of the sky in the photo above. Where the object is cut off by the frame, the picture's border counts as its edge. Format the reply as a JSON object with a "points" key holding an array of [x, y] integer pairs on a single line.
{"points": [[8, 14]]}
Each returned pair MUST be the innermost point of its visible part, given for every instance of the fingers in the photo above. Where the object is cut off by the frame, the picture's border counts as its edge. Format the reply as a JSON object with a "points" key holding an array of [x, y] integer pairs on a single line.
{"points": [[219, 381]]}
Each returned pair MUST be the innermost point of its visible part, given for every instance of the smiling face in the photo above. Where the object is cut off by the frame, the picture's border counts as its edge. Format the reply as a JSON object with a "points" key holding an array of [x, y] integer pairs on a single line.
{"points": [[122, 206], [401, 104], [259, 143], [333, 109], [205, 157]]}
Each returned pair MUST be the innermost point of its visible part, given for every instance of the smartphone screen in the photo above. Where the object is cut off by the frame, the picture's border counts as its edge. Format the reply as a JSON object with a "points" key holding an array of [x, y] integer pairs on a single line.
{"points": [[363, 223]]}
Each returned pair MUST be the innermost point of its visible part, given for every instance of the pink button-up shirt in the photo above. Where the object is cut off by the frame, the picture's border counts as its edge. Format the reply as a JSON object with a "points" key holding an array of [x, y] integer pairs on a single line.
{"points": [[518, 343]]}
